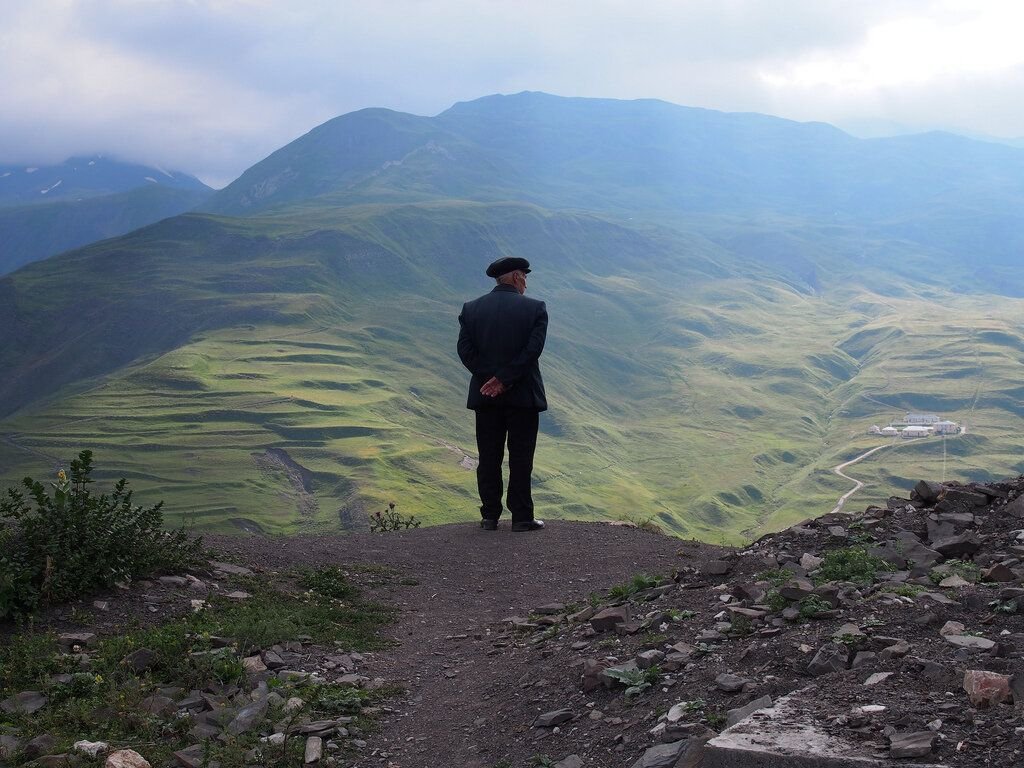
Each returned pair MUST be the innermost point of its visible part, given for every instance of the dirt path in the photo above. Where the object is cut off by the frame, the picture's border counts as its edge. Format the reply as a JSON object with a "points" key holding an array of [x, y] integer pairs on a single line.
{"points": [[857, 484], [467, 702]]}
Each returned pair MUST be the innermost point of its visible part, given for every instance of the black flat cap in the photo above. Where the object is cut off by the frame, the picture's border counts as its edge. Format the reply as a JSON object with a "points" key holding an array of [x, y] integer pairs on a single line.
{"points": [[507, 264]]}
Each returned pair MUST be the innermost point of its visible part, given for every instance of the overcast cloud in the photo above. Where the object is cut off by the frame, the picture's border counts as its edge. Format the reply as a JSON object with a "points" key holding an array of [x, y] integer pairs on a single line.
{"points": [[213, 86]]}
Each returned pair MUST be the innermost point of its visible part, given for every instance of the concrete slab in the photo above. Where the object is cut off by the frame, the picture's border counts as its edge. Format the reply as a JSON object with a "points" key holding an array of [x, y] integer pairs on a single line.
{"points": [[785, 737]]}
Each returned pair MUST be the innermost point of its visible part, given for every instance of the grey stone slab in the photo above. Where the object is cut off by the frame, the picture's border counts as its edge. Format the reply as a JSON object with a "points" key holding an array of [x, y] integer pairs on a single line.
{"points": [[785, 737]]}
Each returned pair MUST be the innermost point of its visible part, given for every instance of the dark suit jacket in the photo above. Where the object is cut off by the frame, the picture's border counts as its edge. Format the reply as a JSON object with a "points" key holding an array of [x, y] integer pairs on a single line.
{"points": [[502, 334]]}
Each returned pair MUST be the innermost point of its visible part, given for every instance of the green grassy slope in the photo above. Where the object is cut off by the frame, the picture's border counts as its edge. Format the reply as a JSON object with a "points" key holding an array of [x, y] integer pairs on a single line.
{"points": [[298, 372]]}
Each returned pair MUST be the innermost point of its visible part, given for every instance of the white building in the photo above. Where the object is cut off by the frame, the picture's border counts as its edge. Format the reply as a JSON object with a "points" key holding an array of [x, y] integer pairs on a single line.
{"points": [[921, 418], [946, 428], [874, 430], [889, 431], [915, 431]]}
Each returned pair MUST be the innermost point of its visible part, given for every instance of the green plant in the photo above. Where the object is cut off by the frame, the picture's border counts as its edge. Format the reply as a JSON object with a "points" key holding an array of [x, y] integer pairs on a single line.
{"points": [[741, 625], [775, 601], [965, 569], [776, 576], [679, 615], [635, 680], [1003, 606], [392, 520], [638, 583], [541, 761], [66, 542], [812, 605], [852, 564], [715, 719], [330, 582]]}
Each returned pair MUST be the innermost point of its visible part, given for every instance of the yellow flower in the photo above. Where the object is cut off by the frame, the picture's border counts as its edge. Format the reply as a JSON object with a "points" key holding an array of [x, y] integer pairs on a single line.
{"points": [[62, 476]]}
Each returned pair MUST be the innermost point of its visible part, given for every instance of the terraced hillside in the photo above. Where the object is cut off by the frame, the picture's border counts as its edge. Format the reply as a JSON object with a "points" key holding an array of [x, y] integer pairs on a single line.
{"points": [[294, 368]]}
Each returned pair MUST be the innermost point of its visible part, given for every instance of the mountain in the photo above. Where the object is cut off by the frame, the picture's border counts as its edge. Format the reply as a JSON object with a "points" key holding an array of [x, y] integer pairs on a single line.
{"points": [[46, 210], [722, 334], [33, 232], [79, 178]]}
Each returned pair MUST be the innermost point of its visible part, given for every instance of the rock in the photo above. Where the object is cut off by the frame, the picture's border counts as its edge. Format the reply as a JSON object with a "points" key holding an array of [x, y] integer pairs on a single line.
{"points": [[40, 745], [809, 562], [662, 755], [831, 657], [734, 716], [572, 761], [927, 491], [876, 678], [647, 659], [25, 703], [609, 617], [157, 705], [957, 546], [716, 567], [915, 744], [796, 589], [101, 605], [970, 641], [238, 595], [81, 639], [956, 499], [173, 581], [91, 748], [952, 628], [57, 761], [273, 660], [140, 660], [314, 750], [921, 556], [731, 683], [897, 650], [999, 573], [248, 717], [864, 659], [9, 745], [254, 665], [592, 669], [551, 719], [985, 689], [956, 581], [190, 757], [126, 758], [584, 615]]}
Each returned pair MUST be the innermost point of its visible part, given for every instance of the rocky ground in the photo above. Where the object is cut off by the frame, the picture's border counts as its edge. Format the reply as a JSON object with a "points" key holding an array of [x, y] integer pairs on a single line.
{"points": [[894, 635]]}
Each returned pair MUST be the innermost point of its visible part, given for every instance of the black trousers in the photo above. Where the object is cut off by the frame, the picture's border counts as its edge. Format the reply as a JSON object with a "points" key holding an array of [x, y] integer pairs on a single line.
{"points": [[494, 426]]}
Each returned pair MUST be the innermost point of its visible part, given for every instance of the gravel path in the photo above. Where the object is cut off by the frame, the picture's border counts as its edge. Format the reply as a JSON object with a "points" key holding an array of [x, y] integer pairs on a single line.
{"points": [[469, 580]]}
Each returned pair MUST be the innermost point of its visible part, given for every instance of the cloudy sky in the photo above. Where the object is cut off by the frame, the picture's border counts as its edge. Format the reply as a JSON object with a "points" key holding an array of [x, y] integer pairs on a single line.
{"points": [[212, 86]]}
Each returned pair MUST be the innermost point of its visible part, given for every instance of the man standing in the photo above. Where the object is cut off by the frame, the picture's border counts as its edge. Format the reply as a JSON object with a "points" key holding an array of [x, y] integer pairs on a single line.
{"points": [[501, 336]]}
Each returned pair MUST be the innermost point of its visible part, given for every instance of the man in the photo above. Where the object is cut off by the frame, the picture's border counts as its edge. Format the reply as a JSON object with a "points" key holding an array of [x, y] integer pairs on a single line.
{"points": [[501, 335]]}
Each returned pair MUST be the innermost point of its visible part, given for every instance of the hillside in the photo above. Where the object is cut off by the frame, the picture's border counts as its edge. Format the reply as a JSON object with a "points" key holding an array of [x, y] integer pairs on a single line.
{"points": [[291, 367], [33, 232], [50, 209]]}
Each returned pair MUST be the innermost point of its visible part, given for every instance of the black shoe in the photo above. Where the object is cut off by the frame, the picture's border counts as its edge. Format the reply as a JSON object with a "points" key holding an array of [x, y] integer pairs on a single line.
{"points": [[528, 525], [488, 524]]}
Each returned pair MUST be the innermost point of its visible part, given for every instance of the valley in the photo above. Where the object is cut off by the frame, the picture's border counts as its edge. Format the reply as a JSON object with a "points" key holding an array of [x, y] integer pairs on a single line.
{"points": [[288, 365]]}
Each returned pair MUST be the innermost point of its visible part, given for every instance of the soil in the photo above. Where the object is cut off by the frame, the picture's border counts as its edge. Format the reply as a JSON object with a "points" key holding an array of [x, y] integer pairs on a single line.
{"points": [[473, 687]]}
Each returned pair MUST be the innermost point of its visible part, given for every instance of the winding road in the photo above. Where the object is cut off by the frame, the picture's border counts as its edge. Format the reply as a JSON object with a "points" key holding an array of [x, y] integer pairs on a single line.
{"points": [[857, 483]]}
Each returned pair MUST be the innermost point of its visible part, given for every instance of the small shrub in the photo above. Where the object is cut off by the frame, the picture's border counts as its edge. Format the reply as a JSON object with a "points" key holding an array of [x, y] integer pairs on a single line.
{"points": [[965, 569], [812, 605], [852, 564], [903, 590], [776, 576], [775, 601], [638, 583], [65, 542], [392, 520]]}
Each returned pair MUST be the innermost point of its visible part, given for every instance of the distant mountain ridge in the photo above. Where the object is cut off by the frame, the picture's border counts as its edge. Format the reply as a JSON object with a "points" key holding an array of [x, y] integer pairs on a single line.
{"points": [[47, 210], [79, 178]]}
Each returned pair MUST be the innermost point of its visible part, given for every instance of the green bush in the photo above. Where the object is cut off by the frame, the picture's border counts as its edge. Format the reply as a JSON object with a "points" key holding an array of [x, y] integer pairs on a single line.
{"points": [[851, 564], [56, 546]]}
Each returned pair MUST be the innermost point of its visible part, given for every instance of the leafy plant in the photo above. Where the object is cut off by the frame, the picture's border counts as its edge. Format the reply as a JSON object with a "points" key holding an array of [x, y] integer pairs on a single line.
{"points": [[776, 576], [812, 605], [64, 542], [903, 590], [965, 569], [636, 680], [392, 520], [852, 564]]}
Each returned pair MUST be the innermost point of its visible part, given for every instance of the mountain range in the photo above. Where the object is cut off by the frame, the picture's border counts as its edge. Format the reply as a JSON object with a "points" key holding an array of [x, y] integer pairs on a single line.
{"points": [[734, 299], [48, 209]]}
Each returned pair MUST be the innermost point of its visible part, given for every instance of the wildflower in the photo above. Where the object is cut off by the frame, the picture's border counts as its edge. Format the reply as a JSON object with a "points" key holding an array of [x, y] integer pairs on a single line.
{"points": [[62, 476]]}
